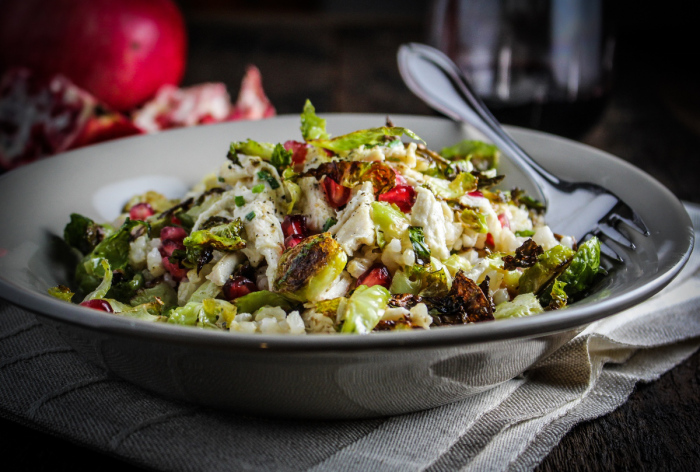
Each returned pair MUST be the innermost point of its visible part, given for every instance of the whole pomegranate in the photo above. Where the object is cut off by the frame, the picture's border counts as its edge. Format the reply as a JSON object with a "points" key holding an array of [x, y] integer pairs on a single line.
{"points": [[121, 51]]}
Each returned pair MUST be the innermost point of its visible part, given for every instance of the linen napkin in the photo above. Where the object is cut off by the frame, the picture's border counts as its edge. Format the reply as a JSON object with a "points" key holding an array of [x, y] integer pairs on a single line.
{"points": [[45, 384]]}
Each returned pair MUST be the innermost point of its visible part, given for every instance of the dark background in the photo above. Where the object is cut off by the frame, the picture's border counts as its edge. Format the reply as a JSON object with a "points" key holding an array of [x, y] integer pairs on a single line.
{"points": [[341, 55]]}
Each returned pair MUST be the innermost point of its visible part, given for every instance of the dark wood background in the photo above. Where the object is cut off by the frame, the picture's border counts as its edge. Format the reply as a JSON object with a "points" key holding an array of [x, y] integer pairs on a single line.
{"points": [[343, 59]]}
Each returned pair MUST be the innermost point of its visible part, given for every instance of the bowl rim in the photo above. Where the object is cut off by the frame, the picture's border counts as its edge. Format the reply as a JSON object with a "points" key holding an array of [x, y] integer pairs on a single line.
{"points": [[509, 329]]}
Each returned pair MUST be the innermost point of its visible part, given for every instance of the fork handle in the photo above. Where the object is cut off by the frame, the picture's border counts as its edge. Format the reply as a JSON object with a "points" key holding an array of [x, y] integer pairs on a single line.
{"points": [[433, 77]]}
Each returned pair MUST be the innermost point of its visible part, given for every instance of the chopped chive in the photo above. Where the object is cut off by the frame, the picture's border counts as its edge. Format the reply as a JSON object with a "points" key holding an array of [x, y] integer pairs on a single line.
{"points": [[329, 222], [240, 201], [526, 233], [250, 216], [258, 188], [221, 179], [265, 175]]}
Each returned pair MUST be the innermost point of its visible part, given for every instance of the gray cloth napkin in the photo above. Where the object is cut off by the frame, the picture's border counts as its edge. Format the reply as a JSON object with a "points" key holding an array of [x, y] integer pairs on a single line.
{"points": [[45, 384]]}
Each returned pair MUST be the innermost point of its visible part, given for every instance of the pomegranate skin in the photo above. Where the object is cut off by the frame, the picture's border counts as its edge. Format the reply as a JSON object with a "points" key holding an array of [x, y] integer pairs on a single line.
{"points": [[121, 51]]}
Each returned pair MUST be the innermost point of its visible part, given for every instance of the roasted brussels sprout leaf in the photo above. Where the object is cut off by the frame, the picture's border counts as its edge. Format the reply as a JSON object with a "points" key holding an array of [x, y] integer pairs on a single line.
{"points": [[351, 173], [280, 158], [250, 148], [423, 280], [365, 137], [577, 278], [222, 236], [312, 127], [84, 234], [420, 248], [474, 220], [465, 303], [521, 306], [61, 292], [115, 250], [308, 269], [525, 256], [161, 291], [549, 264], [364, 309], [253, 301], [483, 156]]}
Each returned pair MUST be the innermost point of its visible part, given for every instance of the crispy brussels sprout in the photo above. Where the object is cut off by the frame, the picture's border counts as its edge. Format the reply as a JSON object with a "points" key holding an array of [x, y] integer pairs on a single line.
{"points": [[307, 270], [465, 303]]}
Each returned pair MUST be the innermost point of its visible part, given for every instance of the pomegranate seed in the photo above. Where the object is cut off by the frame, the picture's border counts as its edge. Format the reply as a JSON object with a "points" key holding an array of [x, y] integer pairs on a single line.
{"points": [[238, 286], [178, 273], [336, 194], [299, 151], [475, 193], [169, 246], [378, 274], [292, 240], [173, 233], [403, 196], [504, 220], [98, 304], [489, 241], [141, 211], [294, 225]]}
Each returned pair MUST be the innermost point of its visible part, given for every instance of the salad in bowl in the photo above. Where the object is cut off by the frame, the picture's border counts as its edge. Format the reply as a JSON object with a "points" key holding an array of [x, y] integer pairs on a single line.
{"points": [[368, 231]]}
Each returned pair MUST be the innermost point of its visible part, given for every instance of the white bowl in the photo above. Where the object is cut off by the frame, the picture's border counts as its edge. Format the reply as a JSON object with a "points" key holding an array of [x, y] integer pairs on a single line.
{"points": [[316, 376]]}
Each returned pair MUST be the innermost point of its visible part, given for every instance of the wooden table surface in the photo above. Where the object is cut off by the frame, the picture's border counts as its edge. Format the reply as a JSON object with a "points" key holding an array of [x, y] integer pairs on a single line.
{"points": [[348, 65]]}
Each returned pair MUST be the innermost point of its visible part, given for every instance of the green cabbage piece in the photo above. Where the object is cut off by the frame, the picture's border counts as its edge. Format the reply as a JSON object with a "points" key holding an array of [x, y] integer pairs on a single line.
{"points": [[365, 308], [525, 304], [578, 276], [253, 301], [483, 156], [365, 137], [312, 127], [548, 265]]}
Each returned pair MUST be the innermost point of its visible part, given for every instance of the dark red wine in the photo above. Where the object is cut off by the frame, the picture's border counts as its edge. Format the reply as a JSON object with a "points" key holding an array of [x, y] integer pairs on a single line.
{"points": [[569, 119]]}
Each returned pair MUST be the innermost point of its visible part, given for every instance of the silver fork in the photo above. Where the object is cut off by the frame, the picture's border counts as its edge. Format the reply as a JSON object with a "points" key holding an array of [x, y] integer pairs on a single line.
{"points": [[579, 209]]}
